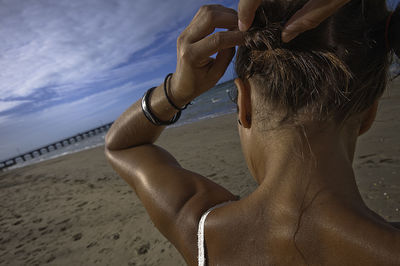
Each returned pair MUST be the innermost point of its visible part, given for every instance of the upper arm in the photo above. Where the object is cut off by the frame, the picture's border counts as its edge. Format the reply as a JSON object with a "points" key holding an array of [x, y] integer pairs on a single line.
{"points": [[174, 197]]}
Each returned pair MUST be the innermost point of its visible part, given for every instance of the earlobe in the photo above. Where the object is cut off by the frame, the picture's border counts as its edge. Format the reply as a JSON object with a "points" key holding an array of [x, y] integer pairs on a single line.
{"points": [[369, 118], [244, 102]]}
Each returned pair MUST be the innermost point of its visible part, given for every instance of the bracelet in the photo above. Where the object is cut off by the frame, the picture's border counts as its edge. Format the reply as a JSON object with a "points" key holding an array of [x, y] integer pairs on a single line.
{"points": [[149, 114], [167, 79]]}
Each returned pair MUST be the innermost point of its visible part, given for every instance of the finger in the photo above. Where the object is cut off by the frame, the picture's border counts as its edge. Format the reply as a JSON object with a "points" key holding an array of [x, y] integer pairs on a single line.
{"points": [[208, 20], [220, 8], [221, 63], [247, 10], [215, 43], [309, 17]]}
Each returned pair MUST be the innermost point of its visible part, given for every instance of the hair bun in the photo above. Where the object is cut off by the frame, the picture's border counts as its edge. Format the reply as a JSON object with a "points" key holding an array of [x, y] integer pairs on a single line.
{"points": [[263, 39]]}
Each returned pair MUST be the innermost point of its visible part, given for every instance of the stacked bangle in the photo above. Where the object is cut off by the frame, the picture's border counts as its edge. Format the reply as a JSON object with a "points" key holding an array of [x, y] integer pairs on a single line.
{"points": [[150, 115], [166, 80]]}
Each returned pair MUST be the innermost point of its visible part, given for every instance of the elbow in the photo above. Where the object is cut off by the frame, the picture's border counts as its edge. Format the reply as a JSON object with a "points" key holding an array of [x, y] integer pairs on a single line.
{"points": [[110, 157], [108, 141], [107, 153], [107, 146]]}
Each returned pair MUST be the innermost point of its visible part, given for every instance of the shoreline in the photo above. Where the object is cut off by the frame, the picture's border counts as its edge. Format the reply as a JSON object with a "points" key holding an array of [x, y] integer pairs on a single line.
{"points": [[39, 160]]}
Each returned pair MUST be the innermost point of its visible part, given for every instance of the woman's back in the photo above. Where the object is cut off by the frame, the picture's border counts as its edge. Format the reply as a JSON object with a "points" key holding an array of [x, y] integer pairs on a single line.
{"points": [[328, 233]]}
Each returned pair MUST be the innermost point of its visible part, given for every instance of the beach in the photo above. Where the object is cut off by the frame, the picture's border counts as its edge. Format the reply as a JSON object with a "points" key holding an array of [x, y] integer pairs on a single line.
{"points": [[75, 210]]}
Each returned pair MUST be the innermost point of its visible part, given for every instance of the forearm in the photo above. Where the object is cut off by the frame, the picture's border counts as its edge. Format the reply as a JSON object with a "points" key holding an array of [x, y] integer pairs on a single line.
{"points": [[132, 128], [196, 73]]}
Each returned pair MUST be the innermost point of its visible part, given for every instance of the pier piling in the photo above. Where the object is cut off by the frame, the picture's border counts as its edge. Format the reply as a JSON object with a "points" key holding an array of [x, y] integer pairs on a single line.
{"points": [[55, 146]]}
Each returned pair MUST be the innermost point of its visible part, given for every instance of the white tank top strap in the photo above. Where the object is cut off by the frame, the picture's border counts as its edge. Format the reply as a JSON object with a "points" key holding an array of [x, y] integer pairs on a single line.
{"points": [[200, 234]]}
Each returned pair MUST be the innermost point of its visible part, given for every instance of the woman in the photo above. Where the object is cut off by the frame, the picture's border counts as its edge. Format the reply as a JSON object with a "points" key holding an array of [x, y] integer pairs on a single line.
{"points": [[301, 107]]}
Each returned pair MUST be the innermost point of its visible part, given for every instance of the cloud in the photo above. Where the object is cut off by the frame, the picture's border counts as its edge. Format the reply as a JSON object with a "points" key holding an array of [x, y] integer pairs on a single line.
{"points": [[67, 65], [8, 105], [4, 118], [64, 44], [67, 119]]}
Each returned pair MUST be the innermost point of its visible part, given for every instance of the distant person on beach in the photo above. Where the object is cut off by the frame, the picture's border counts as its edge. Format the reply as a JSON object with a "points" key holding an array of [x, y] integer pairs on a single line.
{"points": [[302, 104]]}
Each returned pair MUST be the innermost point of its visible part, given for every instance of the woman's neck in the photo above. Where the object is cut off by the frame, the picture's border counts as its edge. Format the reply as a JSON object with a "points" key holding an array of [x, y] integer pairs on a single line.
{"points": [[297, 166]]}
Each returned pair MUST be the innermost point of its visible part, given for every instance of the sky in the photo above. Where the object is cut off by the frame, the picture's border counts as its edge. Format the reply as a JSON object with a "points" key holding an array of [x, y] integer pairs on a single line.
{"points": [[71, 65]]}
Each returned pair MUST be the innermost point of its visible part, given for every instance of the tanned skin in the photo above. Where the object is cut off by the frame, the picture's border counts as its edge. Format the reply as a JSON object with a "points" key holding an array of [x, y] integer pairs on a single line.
{"points": [[307, 209]]}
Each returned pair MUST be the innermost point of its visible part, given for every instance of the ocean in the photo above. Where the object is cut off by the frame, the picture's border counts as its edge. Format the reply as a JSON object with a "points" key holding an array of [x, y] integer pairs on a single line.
{"points": [[213, 103]]}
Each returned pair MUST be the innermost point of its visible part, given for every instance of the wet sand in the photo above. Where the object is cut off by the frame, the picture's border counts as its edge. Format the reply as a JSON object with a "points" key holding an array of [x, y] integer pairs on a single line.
{"points": [[75, 210]]}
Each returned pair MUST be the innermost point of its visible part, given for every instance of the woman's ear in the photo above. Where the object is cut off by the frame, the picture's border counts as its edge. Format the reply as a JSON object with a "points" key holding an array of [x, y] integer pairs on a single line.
{"points": [[244, 102], [369, 118]]}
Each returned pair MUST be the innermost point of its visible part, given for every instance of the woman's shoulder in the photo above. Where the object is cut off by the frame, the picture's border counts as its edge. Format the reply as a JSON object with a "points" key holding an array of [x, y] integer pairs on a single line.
{"points": [[344, 233], [241, 233], [337, 233]]}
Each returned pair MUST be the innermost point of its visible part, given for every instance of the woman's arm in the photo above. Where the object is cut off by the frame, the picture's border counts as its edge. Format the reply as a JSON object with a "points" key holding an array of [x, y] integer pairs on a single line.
{"points": [[196, 73], [133, 129], [175, 198]]}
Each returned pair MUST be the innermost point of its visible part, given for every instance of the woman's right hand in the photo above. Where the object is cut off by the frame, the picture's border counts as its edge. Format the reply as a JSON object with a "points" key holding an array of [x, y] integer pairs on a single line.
{"points": [[309, 17], [196, 70]]}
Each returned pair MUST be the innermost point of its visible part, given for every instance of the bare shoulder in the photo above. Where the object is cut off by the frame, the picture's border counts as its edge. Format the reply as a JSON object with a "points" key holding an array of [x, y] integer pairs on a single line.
{"points": [[335, 234], [363, 236], [339, 233]]}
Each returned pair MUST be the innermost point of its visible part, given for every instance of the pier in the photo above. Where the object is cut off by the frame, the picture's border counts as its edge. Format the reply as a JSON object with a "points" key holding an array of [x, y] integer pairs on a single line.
{"points": [[53, 146]]}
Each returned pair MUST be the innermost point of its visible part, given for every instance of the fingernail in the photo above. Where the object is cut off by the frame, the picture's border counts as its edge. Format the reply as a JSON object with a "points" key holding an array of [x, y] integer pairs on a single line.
{"points": [[288, 36], [242, 26], [289, 27]]}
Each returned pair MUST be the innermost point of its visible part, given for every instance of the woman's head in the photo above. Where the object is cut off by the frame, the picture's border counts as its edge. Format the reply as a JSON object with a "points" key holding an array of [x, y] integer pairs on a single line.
{"points": [[329, 73]]}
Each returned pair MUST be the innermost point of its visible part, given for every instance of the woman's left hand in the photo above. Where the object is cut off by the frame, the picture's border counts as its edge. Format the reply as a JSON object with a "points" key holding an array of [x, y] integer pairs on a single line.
{"points": [[196, 70]]}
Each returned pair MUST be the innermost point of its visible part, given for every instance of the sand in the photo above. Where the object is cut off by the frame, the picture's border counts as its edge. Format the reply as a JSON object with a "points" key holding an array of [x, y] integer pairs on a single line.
{"points": [[74, 210]]}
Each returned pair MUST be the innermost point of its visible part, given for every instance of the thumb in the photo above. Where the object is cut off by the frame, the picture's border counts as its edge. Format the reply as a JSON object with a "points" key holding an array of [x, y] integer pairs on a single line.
{"points": [[310, 16], [222, 61], [246, 12]]}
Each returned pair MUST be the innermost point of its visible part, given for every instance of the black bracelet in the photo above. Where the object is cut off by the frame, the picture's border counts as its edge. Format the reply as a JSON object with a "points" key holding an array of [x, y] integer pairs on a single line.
{"points": [[149, 114], [167, 78]]}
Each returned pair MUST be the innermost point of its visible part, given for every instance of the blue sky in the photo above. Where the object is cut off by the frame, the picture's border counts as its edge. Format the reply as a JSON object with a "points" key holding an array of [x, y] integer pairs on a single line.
{"points": [[71, 65]]}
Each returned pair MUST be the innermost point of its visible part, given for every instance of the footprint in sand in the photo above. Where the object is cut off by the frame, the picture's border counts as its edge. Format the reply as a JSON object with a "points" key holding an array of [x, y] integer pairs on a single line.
{"points": [[77, 237], [91, 245], [143, 249], [82, 204], [51, 258], [105, 250], [47, 232], [387, 160], [42, 228], [18, 222], [63, 222], [366, 156]]}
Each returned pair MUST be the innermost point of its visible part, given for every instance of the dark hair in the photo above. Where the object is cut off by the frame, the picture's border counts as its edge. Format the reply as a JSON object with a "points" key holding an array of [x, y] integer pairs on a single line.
{"points": [[331, 72]]}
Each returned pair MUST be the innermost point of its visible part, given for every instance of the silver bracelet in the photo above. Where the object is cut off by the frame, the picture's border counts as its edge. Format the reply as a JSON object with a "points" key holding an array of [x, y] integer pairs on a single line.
{"points": [[150, 115]]}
